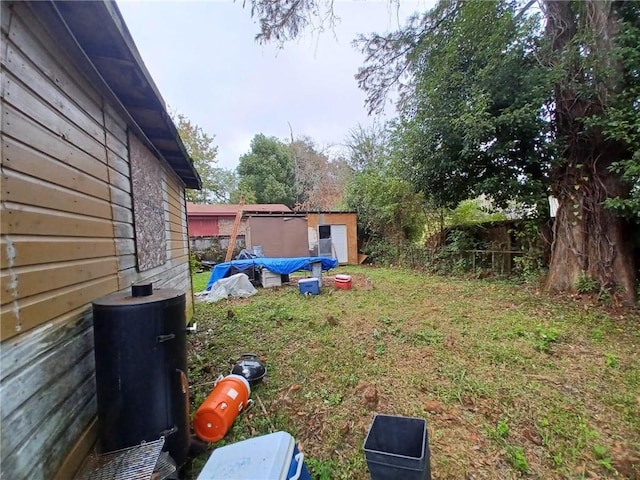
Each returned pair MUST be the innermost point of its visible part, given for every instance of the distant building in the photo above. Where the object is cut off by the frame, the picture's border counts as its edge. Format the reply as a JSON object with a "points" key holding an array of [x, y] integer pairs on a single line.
{"points": [[276, 230], [209, 224]]}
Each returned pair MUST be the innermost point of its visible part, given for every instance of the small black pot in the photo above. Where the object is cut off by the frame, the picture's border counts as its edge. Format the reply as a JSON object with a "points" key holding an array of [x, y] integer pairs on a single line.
{"points": [[250, 368]]}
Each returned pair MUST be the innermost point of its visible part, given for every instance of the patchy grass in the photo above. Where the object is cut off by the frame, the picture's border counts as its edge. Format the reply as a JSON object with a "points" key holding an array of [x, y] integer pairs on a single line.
{"points": [[512, 383], [200, 281]]}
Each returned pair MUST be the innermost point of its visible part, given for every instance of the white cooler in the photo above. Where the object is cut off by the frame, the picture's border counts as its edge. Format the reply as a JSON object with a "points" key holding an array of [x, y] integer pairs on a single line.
{"points": [[268, 457]]}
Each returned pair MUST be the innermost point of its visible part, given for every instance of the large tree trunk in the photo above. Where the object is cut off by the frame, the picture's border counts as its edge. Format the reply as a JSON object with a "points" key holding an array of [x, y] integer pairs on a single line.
{"points": [[588, 238]]}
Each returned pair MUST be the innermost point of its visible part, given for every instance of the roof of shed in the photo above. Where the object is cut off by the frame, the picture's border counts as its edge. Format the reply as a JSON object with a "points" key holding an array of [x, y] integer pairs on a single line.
{"points": [[202, 209], [101, 34]]}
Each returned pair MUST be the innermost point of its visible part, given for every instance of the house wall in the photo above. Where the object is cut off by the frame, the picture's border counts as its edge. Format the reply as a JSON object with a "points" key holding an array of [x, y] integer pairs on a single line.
{"points": [[225, 226], [203, 226], [348, 219], [68, 236]]}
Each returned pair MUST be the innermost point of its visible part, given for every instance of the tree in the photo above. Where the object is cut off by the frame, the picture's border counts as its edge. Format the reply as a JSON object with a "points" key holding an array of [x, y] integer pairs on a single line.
{"points": [[475, 122], [216, 182], [495, 100], [485, 116], [621, 120], [367, 146], [319, 181], [267, 171], [589, 238], [284, 20], [388, 208]]}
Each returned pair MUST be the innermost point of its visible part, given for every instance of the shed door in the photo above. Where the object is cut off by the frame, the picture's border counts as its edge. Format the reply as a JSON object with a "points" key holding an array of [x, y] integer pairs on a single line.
{"points": [[339, 241]]}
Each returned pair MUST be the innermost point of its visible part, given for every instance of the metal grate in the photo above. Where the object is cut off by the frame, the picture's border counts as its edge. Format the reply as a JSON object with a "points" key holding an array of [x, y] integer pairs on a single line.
{"points": [[165, 467], [134, 463]]}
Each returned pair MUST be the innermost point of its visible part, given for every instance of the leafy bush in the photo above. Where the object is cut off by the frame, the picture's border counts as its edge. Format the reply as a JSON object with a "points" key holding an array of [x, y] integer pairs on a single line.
{"points": [[194, 263], [586, 284]]}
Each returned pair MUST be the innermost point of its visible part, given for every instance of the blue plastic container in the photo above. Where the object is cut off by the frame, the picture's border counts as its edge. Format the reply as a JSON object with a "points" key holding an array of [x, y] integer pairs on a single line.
{"points": [[309, 286], [398, 448], [268, 457]]}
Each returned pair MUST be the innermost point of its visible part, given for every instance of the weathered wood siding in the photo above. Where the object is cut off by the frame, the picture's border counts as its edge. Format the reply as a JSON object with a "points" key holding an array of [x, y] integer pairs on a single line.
{"points": [[68, 237]]}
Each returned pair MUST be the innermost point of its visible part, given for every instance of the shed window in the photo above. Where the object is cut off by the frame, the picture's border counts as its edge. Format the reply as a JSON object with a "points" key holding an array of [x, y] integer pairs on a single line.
{"points": [[324, 231]]}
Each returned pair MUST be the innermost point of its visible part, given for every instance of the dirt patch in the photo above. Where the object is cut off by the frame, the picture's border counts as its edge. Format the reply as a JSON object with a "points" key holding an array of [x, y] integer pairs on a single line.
{"points": [[358, 280]]}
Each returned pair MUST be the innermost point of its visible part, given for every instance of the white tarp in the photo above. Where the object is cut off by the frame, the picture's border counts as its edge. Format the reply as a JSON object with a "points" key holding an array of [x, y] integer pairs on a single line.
{"points": [[237, 285]]}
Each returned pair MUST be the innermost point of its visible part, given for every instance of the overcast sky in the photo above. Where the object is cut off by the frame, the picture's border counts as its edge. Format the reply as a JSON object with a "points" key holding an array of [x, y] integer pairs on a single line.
{"points": [[207, 66]]}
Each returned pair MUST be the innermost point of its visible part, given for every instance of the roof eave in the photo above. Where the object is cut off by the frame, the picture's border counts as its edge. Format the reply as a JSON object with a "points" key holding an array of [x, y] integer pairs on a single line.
{"points": [[100, 32]]}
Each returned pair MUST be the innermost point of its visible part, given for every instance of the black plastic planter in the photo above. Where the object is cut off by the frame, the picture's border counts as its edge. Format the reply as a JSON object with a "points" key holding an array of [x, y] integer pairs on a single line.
{"points": [[398, 448]]}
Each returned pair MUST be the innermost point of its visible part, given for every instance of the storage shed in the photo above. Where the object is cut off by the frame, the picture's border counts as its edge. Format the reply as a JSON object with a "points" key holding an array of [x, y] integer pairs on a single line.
{"points": [[93, 199], [278, 235], [334, 234], [213, 224], [325, 234]]}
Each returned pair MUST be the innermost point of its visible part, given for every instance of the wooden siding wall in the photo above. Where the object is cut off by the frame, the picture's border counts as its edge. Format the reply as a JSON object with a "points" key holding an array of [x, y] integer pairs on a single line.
{"points": [[67, 238]]}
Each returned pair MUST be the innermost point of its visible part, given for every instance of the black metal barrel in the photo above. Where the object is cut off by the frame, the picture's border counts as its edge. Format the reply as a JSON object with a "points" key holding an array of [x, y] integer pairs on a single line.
{"points": [[141, 364]]}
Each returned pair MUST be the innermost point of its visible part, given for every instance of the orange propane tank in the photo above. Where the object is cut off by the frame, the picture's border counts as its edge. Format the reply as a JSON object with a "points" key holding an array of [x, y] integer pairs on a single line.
{"points": [[214, 417]]}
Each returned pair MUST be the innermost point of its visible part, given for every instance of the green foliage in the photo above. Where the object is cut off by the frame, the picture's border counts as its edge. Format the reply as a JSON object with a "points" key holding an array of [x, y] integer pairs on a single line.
{"points": [[604, 458], [475, 124], [386, 206], [452, 257], [585, 284], [545, 337], [611, 360], [217, 183], [500, 432], [529, 266], [515, 454], [194, 264], [517, 458], [630, 171], [320, 469], [243, 188], [471, 211], [267, 171], [390, 213], [368, 147]]}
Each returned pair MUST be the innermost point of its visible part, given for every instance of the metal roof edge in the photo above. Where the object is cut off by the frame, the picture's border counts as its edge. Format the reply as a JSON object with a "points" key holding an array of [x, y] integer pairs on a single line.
{"points": [[66, 16]]}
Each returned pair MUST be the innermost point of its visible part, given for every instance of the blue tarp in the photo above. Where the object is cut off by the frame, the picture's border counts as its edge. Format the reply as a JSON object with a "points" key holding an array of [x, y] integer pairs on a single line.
{"points": [[276, 265]]}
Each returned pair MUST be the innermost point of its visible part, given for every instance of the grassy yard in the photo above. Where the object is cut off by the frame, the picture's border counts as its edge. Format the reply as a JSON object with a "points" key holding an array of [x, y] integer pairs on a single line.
{"points": [[512, 383]]}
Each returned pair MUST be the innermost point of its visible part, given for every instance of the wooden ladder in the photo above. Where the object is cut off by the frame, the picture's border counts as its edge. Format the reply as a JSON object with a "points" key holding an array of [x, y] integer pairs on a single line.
{"points": [[234, 232]]}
